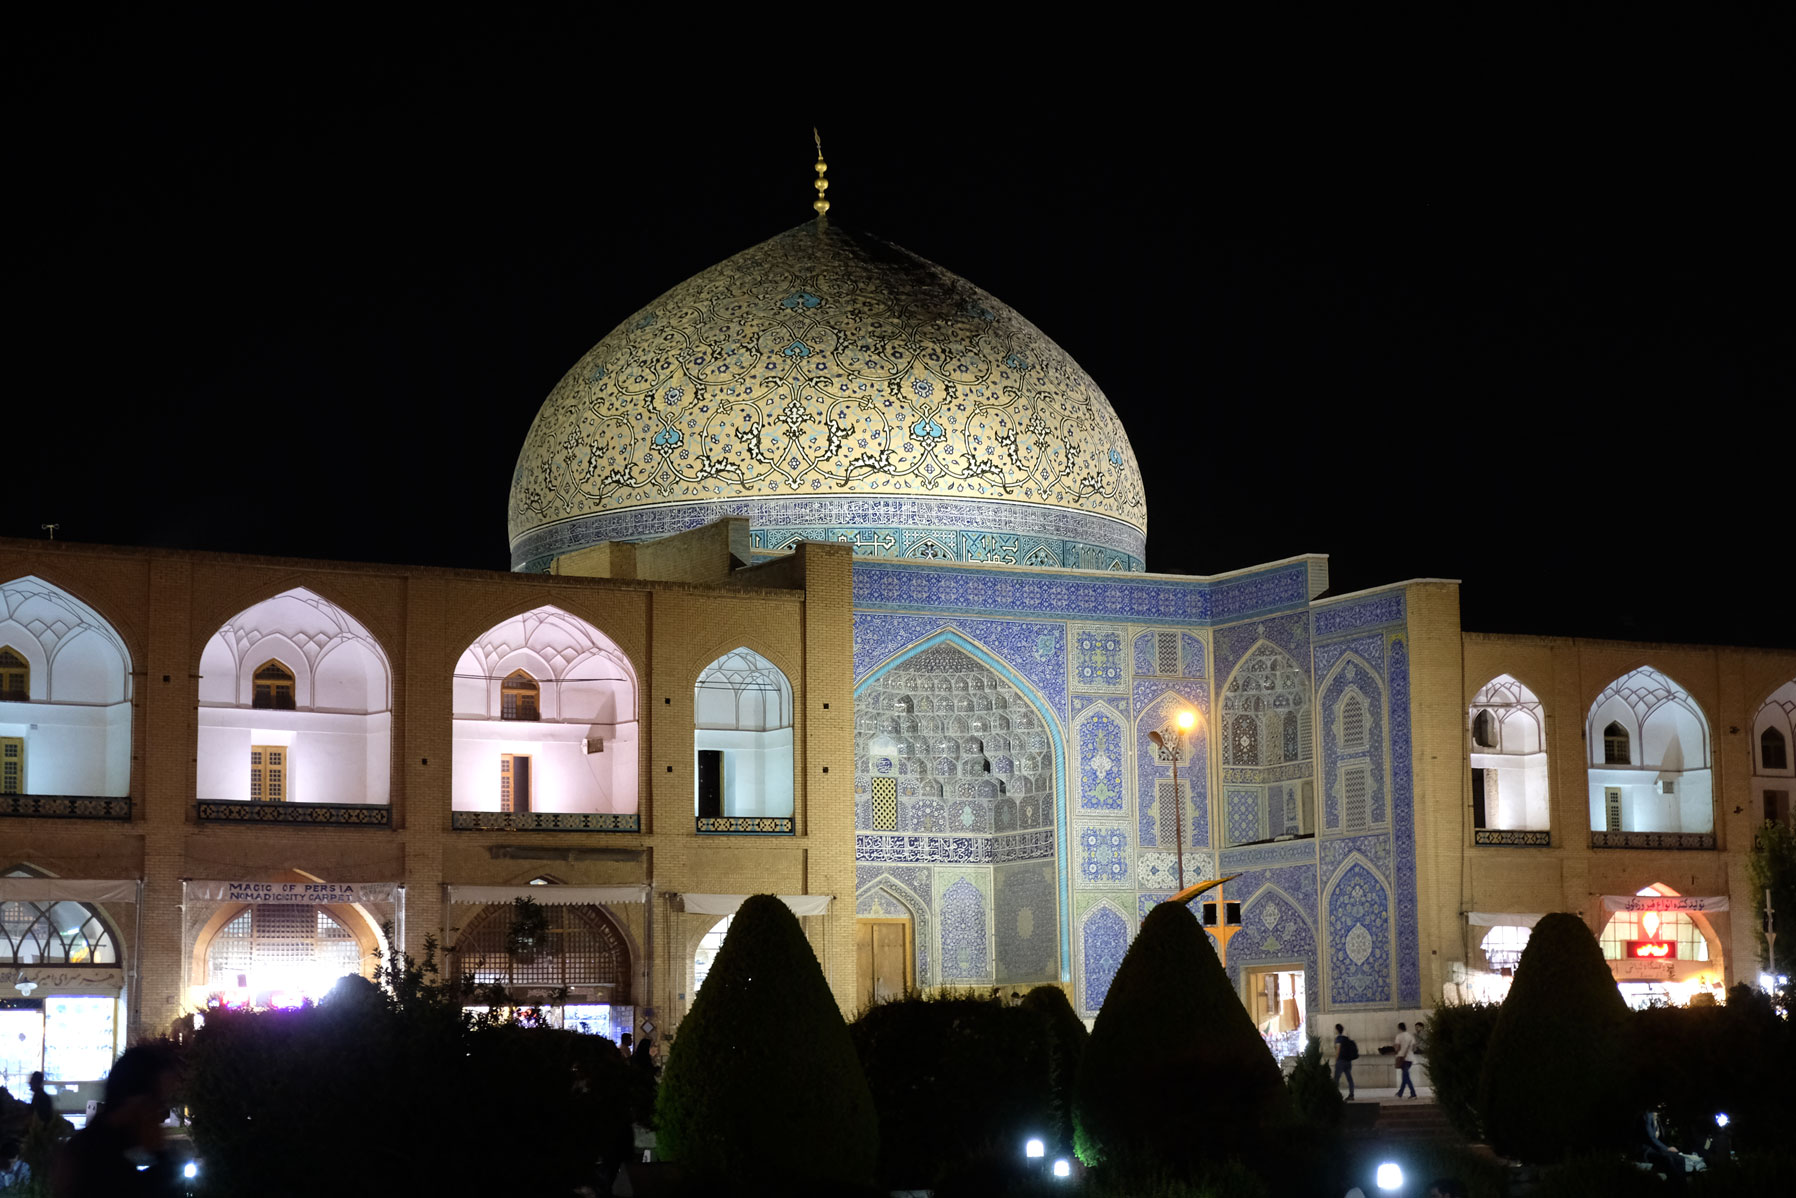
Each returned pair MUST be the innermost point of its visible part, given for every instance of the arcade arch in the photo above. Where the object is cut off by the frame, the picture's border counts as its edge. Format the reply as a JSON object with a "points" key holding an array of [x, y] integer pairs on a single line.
{"points": [[1508, 758], [546, 719], [1662, 955], [742, 735], [297, 691], [1773, 749], [1649, 763], [65, 695]]}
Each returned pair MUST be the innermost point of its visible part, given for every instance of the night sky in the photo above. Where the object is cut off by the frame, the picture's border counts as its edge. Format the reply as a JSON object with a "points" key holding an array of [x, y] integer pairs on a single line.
{"points": [[303, 297]]}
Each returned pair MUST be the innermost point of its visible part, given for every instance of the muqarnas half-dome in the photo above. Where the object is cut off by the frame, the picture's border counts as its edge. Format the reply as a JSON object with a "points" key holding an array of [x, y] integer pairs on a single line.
{"points": [[831, 386]]}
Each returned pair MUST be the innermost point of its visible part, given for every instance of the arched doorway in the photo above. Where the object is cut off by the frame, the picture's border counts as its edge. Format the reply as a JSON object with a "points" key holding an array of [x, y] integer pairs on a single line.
{"points": [[280, 955], [65, 961], [1662, 956], [584, 958]]}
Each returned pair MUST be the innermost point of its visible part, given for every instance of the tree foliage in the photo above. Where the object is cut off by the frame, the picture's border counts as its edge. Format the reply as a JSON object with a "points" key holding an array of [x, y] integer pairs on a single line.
{"points": [[1772, 866], [1455, 1042], [763, 1083], [1313, 1089], [1175, 1071], [392, 1091], [1555, 1079]]}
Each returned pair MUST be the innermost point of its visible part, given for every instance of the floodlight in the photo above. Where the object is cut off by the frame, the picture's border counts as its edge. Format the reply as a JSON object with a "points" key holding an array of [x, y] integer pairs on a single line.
{"points": [[1721, 1119], [1034, 1148], [1390, 1177], [1063, 1168], [190, 1170]]}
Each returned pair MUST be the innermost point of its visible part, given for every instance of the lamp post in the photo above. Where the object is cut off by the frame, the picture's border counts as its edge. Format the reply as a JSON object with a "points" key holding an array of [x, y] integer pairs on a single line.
{"points": [[1171, 743]]}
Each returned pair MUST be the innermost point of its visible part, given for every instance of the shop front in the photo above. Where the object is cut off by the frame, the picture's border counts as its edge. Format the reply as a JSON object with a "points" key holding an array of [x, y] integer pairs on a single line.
{"points": [[280, 944], [63, 979], [1661, 946]]}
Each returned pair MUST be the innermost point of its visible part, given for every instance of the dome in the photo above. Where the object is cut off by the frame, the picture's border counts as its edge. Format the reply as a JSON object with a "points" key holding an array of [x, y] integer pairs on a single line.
{"points": [[831, 386]]}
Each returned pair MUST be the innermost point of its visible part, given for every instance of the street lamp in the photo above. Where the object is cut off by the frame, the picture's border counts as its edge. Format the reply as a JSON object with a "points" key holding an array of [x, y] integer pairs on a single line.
{"points": [[1171, 743]]}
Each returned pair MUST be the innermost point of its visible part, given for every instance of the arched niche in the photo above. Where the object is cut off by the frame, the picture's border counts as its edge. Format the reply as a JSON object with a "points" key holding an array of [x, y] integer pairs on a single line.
{"points": [[67, 729], [1666, 785], [1508, 758], [577, 750], [587, 953], [742, 735], [1773, 749], [331, 742]]}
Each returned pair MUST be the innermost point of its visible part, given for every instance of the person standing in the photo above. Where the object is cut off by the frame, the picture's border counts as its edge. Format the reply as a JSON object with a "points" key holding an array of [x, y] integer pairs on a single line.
{"points": [[43, 1107], [1406, 1048], [1344, 1054]]}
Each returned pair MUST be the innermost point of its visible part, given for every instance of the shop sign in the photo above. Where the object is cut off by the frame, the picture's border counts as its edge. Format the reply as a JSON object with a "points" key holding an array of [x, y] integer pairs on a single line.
{"points": [[1686, 903], [1653, 950], [306, 893], [1639, 970]]}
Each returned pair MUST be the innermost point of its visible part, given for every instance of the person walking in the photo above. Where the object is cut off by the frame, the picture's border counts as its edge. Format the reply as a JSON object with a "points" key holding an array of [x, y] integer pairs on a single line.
{"points": [[1406, 1048], [1345, 1051]]}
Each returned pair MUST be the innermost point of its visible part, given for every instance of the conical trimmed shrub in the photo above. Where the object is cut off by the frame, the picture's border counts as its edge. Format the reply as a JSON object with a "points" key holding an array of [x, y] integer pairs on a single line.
{"points": [[1067, 1038], [762, 1084], [1555, 1081], [1175, 1073]]}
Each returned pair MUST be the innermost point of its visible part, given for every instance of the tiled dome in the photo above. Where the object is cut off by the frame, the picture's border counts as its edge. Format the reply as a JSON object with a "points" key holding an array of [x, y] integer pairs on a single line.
{"points": [[831, 386]]}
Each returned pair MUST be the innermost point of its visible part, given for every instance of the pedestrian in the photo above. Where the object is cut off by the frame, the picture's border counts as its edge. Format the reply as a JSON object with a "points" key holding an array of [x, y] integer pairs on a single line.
{"points": [[1345, 1051], [1406, 1048], [643, 1055], [43, 1107], [107, 1158], [624, 1047]]}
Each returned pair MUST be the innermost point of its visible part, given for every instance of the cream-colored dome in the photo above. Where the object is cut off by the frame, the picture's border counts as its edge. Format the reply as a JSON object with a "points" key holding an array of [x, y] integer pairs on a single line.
{"points": [[831, 386]]}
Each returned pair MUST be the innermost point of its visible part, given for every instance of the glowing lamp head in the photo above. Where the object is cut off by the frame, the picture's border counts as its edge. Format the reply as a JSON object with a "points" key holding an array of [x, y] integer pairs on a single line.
{"points": [[1063, 1168], [1034, 1149], [190, 1170], [1650, 921], [1721, 1119], [1187, 720], [1390, 1176]]}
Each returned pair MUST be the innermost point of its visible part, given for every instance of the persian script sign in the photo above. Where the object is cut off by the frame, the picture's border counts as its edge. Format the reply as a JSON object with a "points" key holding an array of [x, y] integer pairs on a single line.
{"points": [[293, 892], [1664, 902]]}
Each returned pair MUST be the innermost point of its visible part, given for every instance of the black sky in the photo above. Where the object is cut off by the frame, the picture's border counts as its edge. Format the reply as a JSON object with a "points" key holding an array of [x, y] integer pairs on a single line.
{"points": [[303, 294]]}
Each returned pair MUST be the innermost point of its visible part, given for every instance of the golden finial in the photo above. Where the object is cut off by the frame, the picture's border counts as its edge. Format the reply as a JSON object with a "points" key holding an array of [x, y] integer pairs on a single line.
{"points": [[821, 204]]}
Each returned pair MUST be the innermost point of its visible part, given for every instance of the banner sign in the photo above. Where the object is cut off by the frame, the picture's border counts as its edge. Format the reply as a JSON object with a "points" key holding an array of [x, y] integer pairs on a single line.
{"points": [[297, 893], [1653, 950], [1664, 902]]}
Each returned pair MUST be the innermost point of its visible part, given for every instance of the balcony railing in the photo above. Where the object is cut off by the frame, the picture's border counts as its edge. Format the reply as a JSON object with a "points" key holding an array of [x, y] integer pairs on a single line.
{"points": [[1512, 837], [745, 825], [66, 806], [1652, 840], [545, 821], [242, 811]]}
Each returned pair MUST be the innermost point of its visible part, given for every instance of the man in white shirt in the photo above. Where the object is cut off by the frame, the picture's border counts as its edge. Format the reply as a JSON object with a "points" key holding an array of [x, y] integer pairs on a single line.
{"points": [[1406, 1048]]}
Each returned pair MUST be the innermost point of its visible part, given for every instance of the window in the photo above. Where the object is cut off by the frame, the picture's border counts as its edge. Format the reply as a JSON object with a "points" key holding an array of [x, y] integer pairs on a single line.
{"points": [[1356, 797], [1166, 654], [1615, 745], [1484, 731], [1777, 806], [1353, 724], [15, 676], [514, 782], [1612, 808], [12, 765], [1774, 751], [274, 687], [518, 697], [885, 802], [1481, 796], [1167, 808], [268, 773], [1503, 946]]}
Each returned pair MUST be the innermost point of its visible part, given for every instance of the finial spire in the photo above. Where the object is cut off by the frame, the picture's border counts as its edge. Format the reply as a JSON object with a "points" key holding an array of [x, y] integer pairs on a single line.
{"points": [[821, 203]]}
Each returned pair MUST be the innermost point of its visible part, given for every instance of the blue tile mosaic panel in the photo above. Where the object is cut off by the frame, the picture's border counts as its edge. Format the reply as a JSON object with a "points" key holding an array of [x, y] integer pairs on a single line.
{"points": [[964, 951], [1104, 857], [1359, 937], [1102, 786], [1024, 928], [1409, 944], [1103, 940], [1098, 659]]}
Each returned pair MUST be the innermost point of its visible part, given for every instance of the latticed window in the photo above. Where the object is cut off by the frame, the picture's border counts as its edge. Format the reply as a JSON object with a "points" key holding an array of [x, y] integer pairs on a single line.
{"points": [[15, 676], [584, 949], [62, 933], [273, 687], [1353, 724], [1356, 797], [518, 697], [268, 773], [12, 765], [1167, 807], [1774, 752], [275, 944], [1166, 654], [1615, 745]]}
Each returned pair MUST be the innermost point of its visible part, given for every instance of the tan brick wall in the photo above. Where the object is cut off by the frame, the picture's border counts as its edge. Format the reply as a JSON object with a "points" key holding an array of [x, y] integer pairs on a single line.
{"points": [[165, 605]]}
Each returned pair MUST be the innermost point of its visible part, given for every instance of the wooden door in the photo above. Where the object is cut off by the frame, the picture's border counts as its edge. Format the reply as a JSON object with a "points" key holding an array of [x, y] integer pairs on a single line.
{"points": [[882, 957], [514, 782]]}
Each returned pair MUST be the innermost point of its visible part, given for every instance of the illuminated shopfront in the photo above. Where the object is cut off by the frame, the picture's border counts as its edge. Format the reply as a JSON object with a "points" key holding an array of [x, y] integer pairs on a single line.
{"points": [[1658, 950], [62, 1012]]}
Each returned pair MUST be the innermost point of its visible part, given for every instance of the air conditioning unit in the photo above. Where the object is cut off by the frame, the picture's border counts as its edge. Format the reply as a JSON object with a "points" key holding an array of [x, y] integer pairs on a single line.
{"points": [[1666, 786], [593, 744]]}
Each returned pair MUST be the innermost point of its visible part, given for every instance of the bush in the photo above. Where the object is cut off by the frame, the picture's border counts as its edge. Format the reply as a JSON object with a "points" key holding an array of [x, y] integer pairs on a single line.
{"points": [[1697, 1061], [763, 1083], [1175, 1072], [1313, 1091], [1555, 1079], [1067, 1038], [1454, 1043], [462, 1105], [957, 1081]]}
